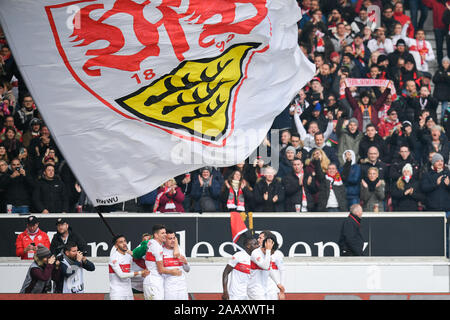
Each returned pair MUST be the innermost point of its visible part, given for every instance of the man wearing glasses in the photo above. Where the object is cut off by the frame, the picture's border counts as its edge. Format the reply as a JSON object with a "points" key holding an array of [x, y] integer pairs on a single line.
{"points": [[25, 114], [389, 125]]}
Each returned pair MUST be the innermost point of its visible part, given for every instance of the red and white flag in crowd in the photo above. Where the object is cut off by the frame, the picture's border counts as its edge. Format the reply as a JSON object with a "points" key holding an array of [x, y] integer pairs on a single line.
{"points": [[238, 226], [136, 92]]}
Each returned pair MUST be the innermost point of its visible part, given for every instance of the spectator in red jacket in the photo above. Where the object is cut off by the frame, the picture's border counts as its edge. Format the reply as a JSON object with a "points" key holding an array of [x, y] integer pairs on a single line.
{"points": [[27, 241], [403, 19], [170, 198], [386, 127]]}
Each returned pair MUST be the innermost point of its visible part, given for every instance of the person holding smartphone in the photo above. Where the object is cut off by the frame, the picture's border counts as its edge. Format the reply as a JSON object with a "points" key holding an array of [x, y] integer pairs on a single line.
{"points": [[18, 186], [28, 241]]}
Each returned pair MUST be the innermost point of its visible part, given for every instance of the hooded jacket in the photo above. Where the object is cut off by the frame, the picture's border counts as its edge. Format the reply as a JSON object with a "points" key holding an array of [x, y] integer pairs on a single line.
{"points": [[351, 175], [347, 140]]}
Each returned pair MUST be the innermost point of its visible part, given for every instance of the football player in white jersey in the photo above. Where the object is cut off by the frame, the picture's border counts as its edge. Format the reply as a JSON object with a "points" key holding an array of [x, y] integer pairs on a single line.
{"points": [[277, 267], [119, 271], [154, 283], [236, 275], [175, 287], [260, 269]]}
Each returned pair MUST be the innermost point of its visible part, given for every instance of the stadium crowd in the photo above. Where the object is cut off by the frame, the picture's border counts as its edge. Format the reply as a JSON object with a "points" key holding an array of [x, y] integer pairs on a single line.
{"points": [[371, 127]]}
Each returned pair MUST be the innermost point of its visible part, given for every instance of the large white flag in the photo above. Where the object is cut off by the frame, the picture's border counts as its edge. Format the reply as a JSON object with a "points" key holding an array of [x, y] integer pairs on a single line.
{"points": [[139, 91]]}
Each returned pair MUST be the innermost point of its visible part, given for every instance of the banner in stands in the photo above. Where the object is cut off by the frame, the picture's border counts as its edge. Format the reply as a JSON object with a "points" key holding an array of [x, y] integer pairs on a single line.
{"points": [[210, 235]]}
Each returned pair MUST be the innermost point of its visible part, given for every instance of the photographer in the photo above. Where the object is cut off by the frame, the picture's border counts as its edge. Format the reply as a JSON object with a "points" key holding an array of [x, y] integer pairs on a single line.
{"points": [[42, 271], [72, 264], [65, 235]]}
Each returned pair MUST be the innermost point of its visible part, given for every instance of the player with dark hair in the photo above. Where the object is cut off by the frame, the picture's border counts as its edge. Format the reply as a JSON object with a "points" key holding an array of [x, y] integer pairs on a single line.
{"points": [[120, 270], [154, 284], [261, 269], [236, 275], [175, 287]]}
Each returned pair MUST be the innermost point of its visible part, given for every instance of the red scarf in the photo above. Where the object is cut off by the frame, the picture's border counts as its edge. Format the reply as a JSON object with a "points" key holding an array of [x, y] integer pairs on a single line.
{"points": [[231, 204], [422, 49], [304, 200], [335, 180]]}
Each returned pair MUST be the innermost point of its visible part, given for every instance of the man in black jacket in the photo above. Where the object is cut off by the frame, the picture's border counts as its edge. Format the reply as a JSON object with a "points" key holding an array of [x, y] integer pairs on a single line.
{"points": [[299, 186], [65, 235], [404, 157], [332, 196], [373, 160], [351, 242], [50, 194], [18, 185], [269, 193]]}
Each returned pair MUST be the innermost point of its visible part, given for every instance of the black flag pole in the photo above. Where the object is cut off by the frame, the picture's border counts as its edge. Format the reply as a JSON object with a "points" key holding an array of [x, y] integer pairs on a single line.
{"points": [[105, 222]]}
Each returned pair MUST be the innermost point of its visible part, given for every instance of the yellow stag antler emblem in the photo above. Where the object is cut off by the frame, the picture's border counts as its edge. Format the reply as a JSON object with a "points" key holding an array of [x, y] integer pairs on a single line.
{"points": [[195, 96]]}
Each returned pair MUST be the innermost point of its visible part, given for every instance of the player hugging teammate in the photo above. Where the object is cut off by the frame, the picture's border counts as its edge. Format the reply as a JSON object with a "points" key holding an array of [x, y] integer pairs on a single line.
{"points": [[162, 275], [256, 273]]}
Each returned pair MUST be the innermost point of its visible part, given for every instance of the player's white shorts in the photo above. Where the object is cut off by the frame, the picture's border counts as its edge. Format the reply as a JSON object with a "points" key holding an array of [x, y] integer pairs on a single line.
{"points": [[120, 297], [153, 288], [238, 297], [176, 295], [257, 295], [272, 295]]}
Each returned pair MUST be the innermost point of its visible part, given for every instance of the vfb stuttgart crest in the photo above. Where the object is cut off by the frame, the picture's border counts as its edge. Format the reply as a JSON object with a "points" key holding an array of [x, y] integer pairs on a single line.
{"points": [[175, 65]]}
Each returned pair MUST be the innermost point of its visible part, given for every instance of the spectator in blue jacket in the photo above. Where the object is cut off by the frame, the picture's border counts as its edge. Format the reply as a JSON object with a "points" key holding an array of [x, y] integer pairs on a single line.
{"points": [[206, 191], [351, 175]]}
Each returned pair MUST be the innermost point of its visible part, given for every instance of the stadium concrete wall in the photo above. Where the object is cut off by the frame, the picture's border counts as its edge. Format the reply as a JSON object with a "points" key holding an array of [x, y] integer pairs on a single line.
{"points": [[343, 275]]}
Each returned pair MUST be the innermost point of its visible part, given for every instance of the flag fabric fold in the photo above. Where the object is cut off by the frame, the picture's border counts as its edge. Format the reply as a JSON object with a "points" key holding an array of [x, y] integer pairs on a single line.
{"points": [[238, 226], [138, 92]]}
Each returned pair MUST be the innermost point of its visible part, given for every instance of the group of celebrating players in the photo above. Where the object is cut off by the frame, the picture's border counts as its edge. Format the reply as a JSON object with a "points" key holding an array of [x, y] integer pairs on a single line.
{"points": [[158, 268]]}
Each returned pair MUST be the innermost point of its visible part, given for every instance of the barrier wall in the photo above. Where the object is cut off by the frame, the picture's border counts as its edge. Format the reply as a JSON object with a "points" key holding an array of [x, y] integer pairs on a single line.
{"points": [[334, 276], [209, 235]]}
